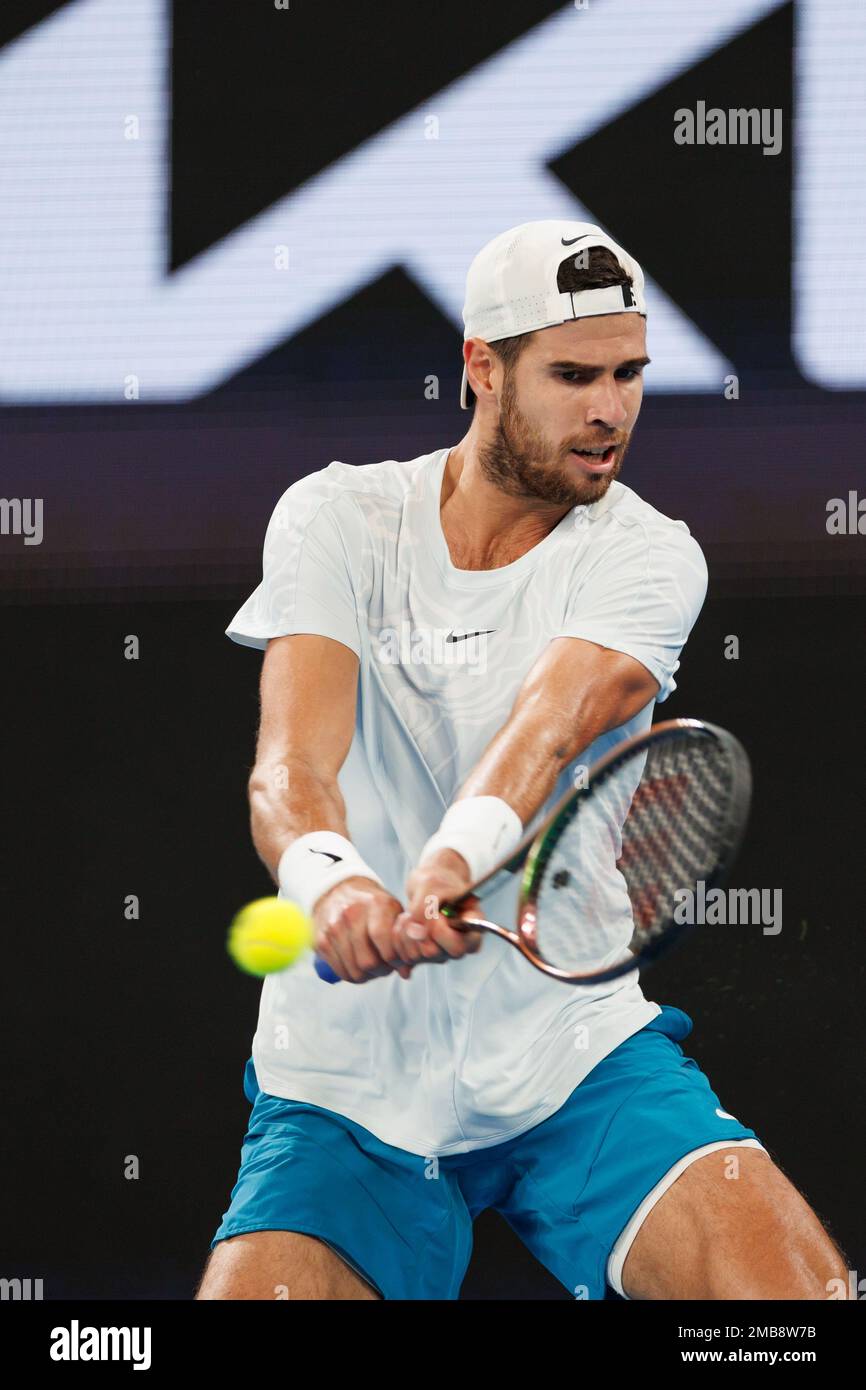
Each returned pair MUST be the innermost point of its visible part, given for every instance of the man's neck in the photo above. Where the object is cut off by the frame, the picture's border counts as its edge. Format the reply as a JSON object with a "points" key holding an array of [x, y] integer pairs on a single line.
{"points": [[484, 527]]}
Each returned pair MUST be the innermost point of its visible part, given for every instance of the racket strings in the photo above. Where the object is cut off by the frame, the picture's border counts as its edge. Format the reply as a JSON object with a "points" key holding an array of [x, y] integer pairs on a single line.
{"points": [[674, 833]]}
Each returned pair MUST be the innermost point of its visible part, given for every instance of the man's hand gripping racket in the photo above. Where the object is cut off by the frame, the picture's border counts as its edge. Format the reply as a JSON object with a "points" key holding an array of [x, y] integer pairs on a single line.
{"points": [[668, 808]]}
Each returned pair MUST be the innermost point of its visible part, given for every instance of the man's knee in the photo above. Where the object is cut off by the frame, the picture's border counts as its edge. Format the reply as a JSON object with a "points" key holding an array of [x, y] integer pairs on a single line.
{"points": [[732, 1226], [279, 1265]]}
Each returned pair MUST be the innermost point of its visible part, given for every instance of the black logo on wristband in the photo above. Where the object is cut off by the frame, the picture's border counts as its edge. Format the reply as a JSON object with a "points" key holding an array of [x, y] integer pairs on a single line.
{"points": [[337, 858]]}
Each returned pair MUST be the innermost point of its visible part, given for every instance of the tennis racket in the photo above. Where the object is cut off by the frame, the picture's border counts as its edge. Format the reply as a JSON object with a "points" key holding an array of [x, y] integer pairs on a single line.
{"points": [[608, 873]]}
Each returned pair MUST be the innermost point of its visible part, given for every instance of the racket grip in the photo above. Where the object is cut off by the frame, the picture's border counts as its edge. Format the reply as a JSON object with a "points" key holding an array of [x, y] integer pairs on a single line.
{"points": [[324, 972]]}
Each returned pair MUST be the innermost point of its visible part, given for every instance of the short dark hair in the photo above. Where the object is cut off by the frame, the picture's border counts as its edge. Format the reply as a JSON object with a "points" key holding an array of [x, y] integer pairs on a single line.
{"points": [[601, 270]]}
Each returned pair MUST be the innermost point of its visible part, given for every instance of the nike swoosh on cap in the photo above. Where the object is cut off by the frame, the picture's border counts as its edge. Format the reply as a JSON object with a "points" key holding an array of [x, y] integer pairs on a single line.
{"points": [[576, 238]]}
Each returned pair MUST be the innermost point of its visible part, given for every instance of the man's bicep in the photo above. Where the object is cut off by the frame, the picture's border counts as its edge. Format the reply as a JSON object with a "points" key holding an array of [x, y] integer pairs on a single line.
{"points": [[309, 688], [615, 668]]}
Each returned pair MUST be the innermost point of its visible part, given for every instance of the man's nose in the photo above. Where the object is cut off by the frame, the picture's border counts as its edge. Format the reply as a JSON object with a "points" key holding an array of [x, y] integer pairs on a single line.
{"points": [[606, 405]]}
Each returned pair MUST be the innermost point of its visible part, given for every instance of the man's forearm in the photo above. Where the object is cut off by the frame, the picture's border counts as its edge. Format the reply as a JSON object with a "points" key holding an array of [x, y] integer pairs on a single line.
{"points": [[288, 799], [518, 766], [550, 726]]}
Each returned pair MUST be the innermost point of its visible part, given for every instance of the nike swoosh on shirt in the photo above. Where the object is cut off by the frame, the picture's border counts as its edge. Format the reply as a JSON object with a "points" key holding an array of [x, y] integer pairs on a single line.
{"points": [[723, 1114], [461, 636], [337, 858]]}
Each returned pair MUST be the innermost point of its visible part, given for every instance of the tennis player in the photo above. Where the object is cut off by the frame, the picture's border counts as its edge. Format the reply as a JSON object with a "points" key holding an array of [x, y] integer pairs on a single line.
{"points": [[448, 642]]}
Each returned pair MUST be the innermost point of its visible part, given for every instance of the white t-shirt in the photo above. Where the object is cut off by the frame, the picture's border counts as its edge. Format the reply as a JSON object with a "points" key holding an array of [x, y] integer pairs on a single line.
{"points": [[475, 1051]]}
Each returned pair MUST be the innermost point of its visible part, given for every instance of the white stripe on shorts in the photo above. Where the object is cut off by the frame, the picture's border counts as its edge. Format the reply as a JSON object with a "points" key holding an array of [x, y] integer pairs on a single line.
{"points": [[616, 1259]]}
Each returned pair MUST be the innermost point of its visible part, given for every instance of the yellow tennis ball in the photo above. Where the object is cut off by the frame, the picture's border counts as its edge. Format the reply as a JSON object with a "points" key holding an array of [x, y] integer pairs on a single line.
{"points": [[268, 935]]}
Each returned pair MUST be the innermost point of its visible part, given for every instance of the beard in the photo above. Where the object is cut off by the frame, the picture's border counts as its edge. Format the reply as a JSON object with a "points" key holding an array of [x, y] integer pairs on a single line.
{"points": [[519, 461]]}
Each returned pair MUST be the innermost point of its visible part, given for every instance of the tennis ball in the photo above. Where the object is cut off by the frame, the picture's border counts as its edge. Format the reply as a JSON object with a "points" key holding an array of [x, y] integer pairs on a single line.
{"points": [[268, 935]]}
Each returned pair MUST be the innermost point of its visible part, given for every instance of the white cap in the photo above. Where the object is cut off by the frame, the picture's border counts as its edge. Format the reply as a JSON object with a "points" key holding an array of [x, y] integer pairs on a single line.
{"points": [[511, 284]]}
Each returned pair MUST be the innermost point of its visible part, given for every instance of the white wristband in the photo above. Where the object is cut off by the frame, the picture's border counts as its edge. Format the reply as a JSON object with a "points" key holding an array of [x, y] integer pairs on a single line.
{"points": [[481, 828], [317, 862]]}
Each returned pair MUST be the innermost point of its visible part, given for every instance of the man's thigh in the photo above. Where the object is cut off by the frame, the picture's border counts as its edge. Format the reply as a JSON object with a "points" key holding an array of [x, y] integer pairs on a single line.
{"points": [[279, 1265], [731, 1226], [583, 1174]]}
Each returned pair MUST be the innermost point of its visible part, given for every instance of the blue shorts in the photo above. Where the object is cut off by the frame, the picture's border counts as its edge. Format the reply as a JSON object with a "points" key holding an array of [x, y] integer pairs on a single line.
{"points": [[574, 1188]]}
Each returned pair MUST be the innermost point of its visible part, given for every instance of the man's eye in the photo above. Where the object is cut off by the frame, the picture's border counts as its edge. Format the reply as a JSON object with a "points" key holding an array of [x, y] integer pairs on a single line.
{"points": [[624, 374]]}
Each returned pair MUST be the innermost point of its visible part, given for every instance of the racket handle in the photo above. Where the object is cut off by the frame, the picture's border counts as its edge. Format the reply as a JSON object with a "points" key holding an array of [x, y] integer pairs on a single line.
{"points": [[324, 972]]}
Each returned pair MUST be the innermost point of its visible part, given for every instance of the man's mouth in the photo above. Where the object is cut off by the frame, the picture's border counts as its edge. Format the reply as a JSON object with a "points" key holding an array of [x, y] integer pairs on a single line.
{"points": [[598, 460]]}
